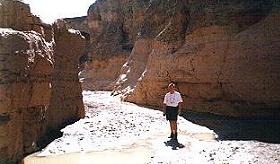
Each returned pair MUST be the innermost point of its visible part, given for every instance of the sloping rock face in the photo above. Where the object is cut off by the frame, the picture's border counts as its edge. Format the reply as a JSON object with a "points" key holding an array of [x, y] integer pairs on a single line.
{"points": [[36, 69], [113, 27], [223, 56]]}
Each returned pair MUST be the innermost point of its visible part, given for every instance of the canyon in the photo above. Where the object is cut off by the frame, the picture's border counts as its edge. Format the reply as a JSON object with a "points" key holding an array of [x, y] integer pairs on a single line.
{"points": [[223, 56], [40, 90]]}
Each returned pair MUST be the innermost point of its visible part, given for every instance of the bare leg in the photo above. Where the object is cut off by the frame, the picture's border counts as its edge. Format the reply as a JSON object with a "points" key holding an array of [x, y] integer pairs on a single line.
{"points": [[174, 129], [175, 126], [171, 126]]}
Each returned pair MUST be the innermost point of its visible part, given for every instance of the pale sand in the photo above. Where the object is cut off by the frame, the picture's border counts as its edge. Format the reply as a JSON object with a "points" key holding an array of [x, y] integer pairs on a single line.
{"points": [[115, 132], [136, 156]]}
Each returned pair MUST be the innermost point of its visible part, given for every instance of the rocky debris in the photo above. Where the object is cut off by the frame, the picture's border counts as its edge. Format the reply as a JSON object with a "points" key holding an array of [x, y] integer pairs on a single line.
{"points": [[37, 68], [135, 134]]}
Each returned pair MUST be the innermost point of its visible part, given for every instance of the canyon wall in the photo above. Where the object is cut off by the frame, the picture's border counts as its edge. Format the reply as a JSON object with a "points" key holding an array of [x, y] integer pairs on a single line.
{"points": [[224, 58], [113, 27], [223, 55], [39, 86]]}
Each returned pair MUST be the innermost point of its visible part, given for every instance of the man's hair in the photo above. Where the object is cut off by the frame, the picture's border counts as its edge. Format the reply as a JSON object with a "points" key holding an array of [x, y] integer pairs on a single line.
{"points": [[171, 85]]}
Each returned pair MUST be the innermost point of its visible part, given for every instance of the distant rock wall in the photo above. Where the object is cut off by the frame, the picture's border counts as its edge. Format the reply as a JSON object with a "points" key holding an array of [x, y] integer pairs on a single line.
{"points": [[113, 27], [39, 86], [78, 23]]}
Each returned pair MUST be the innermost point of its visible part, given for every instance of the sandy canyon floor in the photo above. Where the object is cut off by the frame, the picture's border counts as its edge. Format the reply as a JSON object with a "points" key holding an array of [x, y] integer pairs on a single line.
{"points": [[118, 132]]}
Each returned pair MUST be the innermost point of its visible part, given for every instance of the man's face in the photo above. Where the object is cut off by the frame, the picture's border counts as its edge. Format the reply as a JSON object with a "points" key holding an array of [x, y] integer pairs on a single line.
{"points": [[171, 88]]}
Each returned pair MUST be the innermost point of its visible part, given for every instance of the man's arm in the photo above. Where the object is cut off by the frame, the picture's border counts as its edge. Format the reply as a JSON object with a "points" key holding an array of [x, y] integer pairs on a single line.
{"points": [[180, 108], [164, 109], [180, 104], [164, 105]]}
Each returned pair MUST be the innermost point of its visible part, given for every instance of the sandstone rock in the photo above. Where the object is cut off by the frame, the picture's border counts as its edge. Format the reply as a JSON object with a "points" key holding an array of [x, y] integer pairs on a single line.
{"points": [[39, 86], [113, 27], [222, 56], [26, 68], [66, 101], [16, 15]]}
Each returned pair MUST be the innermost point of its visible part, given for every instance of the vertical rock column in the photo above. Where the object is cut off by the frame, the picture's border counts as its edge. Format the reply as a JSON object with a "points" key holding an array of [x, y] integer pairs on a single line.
{"points": [[66, 103]]}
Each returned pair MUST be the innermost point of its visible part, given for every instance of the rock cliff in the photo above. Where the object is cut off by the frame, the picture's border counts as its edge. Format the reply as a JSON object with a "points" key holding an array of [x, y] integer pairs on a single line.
{"points": [[223, 55], [113, 27], [39, 86]]}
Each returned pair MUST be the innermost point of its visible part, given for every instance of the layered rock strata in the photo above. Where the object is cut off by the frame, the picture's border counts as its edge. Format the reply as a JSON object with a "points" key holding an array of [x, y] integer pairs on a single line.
{"points": [[39, 86], [113, 27], [223, 56]]}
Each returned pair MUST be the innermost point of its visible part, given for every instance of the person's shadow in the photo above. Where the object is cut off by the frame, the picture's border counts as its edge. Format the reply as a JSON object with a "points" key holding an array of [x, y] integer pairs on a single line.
{"points": [[174, 144]]}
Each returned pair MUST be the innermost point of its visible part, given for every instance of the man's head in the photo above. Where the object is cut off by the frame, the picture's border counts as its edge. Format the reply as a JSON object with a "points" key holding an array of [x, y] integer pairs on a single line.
{"points": [[171, 87]]}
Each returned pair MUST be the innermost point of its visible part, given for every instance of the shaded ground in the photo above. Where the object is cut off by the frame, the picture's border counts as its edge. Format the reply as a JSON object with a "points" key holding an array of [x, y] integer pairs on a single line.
{"points": [[228, 128], [117, 132]]}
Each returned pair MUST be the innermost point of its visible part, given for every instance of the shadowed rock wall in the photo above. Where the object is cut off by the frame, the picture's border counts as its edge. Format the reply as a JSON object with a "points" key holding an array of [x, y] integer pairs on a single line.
{"points": [[113, 28]]}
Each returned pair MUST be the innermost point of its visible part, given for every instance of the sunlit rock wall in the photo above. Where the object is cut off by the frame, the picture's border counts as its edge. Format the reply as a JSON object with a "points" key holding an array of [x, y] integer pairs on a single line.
{"points": [[223, 56]]}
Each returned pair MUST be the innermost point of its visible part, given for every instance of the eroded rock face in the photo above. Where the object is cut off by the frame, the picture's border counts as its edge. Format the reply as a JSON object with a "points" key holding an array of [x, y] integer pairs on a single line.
{"points": [[39, 86], [66, 104], [25, 90], [16, 15], [222, 56], [113, 27]]}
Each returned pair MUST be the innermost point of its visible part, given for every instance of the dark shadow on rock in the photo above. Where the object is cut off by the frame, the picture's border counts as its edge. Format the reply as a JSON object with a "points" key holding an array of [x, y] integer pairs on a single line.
{"points": [[230, 128], [174, 144], [50, 135], [54, 133]]}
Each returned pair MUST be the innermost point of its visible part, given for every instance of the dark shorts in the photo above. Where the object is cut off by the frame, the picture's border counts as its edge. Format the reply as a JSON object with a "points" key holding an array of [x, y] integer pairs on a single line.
{"points": [[171, 113]]}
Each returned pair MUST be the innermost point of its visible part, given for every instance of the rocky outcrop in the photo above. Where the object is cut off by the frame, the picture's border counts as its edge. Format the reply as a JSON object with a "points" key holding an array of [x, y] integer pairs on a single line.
{"points": [[113, 27], [17, 16], [25, 91], [222, 56], [39, 86]]}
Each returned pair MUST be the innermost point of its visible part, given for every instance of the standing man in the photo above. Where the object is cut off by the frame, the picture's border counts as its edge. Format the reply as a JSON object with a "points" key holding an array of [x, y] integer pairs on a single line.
{"points": [[172, 107]]}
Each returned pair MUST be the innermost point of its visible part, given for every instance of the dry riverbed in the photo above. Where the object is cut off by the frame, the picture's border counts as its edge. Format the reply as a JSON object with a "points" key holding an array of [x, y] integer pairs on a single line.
{"points": [[118, 132]]}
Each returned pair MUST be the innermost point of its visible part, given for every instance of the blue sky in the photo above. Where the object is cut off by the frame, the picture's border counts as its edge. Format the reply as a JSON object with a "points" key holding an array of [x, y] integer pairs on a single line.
{"points": [[50, 10]]}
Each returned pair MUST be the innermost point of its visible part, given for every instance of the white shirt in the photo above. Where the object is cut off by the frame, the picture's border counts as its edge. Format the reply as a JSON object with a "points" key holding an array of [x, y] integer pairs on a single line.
{"points": [[172, 99]]}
